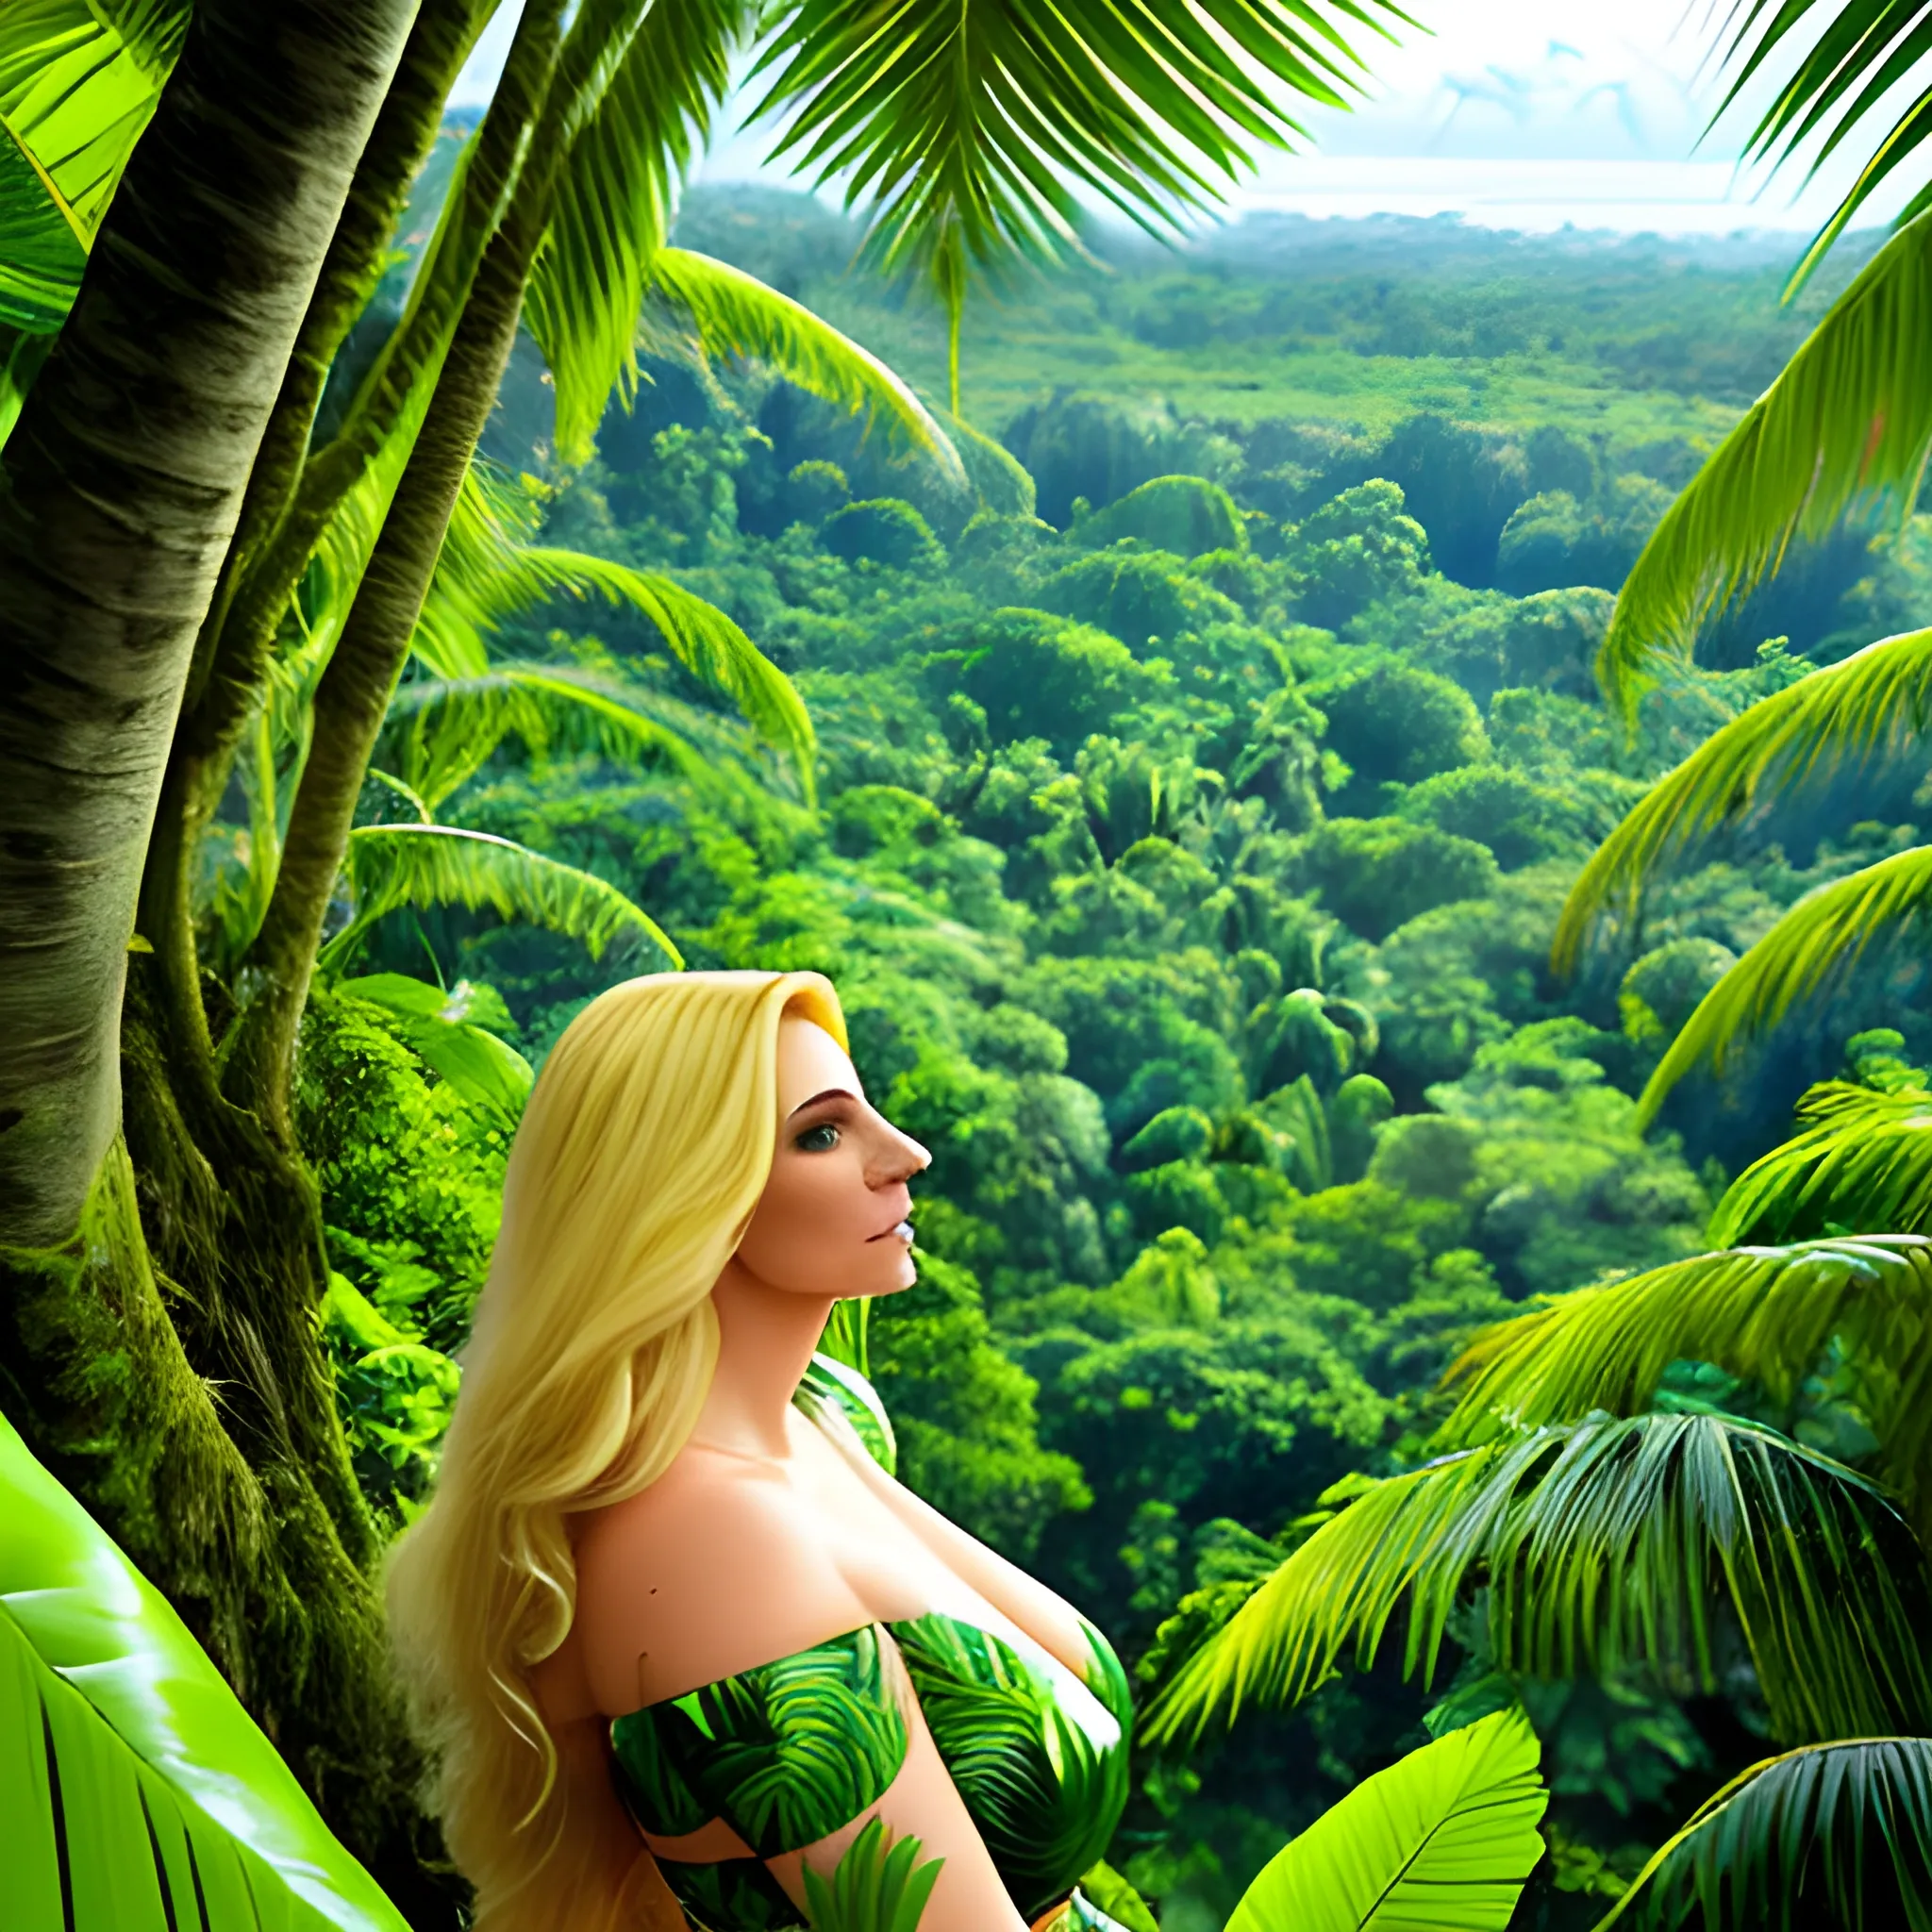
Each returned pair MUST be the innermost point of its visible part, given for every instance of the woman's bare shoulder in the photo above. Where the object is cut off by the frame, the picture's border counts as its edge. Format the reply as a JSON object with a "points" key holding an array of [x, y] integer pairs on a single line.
{"points": [[712, 1570]]}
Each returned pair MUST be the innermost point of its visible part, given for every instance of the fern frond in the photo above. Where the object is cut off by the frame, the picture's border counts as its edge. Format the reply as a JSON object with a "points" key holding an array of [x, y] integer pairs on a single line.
{"points": [[1849, 417], [390, 866], [1766, 1314], [1871, 706], [1828, 1821], [1605, 1545], [1825, 933], [731, 314]]}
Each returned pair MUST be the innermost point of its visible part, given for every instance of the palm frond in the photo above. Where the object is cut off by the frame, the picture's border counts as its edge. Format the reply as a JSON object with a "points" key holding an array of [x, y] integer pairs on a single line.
{"points": [[139, 1795], [1861, 1160], [446, 728], [1605, 1545], [1871, 706], [731, 314], [1849, 417], [614, 203], [968, 125], [390, 866], [1767, 1314], [488, 576], [1827, 1823], [1444, 1839], [1825, 933], [1839, 88]]}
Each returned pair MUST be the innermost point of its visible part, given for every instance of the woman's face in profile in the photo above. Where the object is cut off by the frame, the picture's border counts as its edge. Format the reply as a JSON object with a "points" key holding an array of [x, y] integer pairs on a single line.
{"points": [[834, 1218]]}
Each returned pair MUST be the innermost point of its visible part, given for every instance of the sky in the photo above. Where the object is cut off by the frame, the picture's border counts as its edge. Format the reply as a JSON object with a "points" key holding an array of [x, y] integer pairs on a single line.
{"points": [[1526, 114]]}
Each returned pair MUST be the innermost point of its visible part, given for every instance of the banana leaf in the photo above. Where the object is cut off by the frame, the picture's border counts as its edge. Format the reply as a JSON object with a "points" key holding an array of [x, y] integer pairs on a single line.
{"points": [[135, 1794], [1441, 1842]]}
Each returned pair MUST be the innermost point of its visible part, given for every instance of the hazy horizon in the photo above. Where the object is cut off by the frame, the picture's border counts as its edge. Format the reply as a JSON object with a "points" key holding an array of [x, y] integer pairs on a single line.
{"points": [[1512, 114]]}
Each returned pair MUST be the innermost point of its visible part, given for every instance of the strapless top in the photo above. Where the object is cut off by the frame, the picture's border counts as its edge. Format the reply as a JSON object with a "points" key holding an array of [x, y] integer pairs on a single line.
{"points": [[788, 1752]]}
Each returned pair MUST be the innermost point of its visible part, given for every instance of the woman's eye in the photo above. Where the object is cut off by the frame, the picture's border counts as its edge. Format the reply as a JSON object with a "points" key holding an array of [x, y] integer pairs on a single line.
{"points": [[818, 1140]]}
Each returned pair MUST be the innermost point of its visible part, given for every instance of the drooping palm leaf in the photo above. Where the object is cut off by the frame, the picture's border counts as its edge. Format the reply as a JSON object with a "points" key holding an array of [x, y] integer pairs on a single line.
{"points": [[1871, 706], [489, 574], [390, 866], [138, 1794], [1768, 1314], [1849, 417], [1861, 1160], [446, 728], [1830, 1822], [1826, 933], [1442, 1842], [614, 204], [970, 125], [730, 313], [1605, 1545], [74, 99], [1839, 88]]}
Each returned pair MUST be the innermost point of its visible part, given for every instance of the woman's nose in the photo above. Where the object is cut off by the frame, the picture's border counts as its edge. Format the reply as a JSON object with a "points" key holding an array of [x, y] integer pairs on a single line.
{"points": [[900, 1158]]}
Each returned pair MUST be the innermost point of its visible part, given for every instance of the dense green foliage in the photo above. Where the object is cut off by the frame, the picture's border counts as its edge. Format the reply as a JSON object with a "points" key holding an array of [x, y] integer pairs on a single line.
{"points": [[1190, 873]]}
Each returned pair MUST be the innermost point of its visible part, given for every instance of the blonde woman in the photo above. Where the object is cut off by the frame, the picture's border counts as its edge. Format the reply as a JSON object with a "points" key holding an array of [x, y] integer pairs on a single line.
{"points": [[673, 1632]]}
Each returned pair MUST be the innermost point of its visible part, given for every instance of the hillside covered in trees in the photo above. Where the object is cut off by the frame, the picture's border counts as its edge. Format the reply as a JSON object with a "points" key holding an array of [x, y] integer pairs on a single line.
{"points": [[1198, 786]]}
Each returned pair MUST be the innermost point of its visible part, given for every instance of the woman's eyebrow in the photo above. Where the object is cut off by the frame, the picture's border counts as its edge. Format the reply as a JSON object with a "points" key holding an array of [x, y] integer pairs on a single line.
{"points": [[830, 1094]]}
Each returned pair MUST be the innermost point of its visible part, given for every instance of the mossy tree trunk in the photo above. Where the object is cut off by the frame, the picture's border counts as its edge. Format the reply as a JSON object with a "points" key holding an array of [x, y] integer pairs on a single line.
{"points": [[160, 1248]]}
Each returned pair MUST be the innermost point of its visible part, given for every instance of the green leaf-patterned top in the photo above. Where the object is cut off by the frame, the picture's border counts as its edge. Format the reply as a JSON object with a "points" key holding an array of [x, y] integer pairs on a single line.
{"points": [[789, 1750]]}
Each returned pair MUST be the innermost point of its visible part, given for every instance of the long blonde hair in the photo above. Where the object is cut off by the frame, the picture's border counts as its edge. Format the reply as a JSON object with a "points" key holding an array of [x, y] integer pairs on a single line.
{"points": [[642, 1154]]}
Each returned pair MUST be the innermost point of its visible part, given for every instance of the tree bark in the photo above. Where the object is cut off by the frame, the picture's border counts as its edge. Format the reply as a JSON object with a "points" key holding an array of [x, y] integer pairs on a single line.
{"points": [[267, 578], [355, 688], [119, 492], [222, 682]]}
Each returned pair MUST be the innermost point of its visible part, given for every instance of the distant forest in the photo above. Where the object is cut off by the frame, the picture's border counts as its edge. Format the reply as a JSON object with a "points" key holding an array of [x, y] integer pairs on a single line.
{"points": [[1199, 793]]}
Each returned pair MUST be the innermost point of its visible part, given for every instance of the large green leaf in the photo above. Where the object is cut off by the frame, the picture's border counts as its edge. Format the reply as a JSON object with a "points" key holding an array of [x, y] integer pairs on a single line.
{"points": [[1821, 936], [1875, 705], [970, 125], [471, 1059], [730, 313], [1847, 1825], [1442, 1842], [137, 1793], [1605, 1544], [1768, 1314], [74, 99], [1850, 416], [614, 204], [392, 866]]}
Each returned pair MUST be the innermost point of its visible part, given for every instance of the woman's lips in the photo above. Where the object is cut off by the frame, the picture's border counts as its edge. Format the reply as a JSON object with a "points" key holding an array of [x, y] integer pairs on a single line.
{"points": [[899, 1231]]}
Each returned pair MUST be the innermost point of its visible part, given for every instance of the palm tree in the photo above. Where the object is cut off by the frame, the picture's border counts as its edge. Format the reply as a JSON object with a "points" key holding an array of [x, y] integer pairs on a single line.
{"points": [[195, 585], [1847, 427]]}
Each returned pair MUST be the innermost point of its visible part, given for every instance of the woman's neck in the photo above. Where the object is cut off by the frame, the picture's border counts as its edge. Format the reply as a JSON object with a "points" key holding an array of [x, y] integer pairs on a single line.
{"points": [[765, 1340]]}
